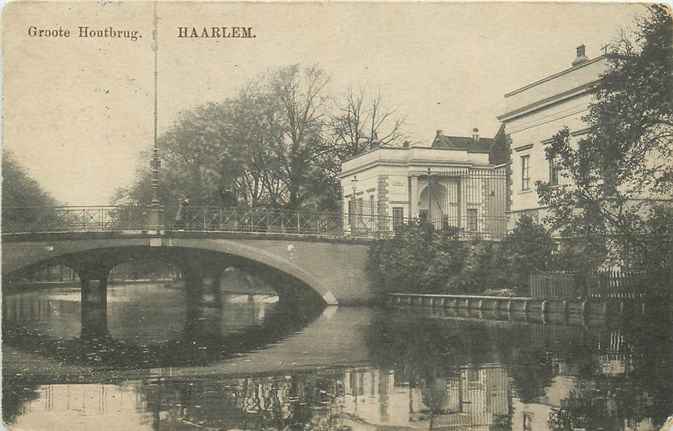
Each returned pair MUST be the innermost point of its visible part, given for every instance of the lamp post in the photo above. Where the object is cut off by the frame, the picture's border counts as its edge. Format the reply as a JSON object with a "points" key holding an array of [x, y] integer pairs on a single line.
{"points": [[155, 210], [354, 203]]}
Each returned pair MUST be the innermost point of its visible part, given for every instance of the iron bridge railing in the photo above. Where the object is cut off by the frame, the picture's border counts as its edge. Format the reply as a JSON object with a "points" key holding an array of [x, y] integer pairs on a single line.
{"points": [[234, 219], [73, 219]]}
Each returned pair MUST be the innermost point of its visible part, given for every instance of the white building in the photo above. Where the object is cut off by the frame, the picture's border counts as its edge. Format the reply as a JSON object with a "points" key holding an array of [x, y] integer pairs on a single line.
{"points": [[387, 186], [537, 111]]}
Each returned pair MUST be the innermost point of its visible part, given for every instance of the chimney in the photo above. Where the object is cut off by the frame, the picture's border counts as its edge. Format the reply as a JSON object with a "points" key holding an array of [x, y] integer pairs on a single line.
{"points": [[581, 55], [440, 132], [475, 135]]}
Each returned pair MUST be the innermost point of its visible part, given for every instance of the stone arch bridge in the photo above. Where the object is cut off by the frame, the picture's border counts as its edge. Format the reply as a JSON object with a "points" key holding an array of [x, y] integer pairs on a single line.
{"points": [[330, 269]]}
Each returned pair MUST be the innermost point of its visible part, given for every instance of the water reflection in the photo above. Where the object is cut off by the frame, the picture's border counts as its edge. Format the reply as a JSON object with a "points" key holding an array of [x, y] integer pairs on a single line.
{"points": [[141, 313], [363, 369], [155, 339], [468, 398]]}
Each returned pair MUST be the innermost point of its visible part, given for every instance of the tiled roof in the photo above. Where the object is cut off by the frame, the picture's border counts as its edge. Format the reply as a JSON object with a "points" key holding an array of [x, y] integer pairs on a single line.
{"points": [[463, 143]]}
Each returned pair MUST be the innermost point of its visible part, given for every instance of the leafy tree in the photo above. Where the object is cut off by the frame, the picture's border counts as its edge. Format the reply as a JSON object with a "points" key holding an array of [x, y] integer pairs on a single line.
{"points": [[656, 257], [614, 174], [24, 202], [528, 248], [191, 152], [18, 188]]}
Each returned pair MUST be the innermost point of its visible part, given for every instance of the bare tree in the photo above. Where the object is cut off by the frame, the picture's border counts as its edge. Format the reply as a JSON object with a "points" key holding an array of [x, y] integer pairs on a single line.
{"points": [[300, 93], [362, 122]]}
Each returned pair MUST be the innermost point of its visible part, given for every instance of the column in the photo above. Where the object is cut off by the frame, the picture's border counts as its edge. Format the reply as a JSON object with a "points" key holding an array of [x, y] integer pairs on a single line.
{"points": [[462, 202], [413, 197]]}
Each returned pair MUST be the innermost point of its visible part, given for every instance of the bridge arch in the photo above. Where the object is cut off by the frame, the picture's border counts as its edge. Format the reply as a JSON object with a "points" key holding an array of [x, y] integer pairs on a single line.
{"points": [[206, 261], [332, 269]]}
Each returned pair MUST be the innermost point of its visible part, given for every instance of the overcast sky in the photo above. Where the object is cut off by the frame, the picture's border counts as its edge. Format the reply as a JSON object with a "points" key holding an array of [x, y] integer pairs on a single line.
{"points": [[79, 111]]}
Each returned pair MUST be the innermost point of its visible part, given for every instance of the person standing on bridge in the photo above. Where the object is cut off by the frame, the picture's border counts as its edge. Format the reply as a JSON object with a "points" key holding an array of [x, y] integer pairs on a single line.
{"points": [[181, 215]]}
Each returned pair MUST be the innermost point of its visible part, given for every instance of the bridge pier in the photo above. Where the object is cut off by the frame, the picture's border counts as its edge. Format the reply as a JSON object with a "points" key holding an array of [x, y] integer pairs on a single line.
{"points": [[203, 298], [94, 303], [202, 284]]}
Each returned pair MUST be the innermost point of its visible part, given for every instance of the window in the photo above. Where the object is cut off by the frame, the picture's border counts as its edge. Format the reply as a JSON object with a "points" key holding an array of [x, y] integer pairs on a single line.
{"points": [[472, 220], [398, 217], [372, 207], [554, 169], [525, 173]]}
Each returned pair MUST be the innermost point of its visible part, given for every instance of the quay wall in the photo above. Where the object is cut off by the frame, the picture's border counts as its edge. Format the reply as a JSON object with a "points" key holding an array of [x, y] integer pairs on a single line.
{"points": [[526, 307]]}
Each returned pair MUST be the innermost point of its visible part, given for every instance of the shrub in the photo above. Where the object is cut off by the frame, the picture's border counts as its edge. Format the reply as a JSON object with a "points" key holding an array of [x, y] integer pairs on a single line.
{"points": [[528, 248], [447, 257], [657, 251], [395, 264], [420, 260]]}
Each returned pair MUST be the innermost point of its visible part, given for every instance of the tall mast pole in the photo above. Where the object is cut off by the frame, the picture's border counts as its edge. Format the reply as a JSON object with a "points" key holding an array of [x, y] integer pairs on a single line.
{"points": [[155, 205], [156, 163]]}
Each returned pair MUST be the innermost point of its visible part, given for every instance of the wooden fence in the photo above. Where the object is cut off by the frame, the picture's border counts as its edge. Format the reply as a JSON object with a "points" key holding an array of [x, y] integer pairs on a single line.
{"points": [[616, 285], [598, 285], [553, 285]]}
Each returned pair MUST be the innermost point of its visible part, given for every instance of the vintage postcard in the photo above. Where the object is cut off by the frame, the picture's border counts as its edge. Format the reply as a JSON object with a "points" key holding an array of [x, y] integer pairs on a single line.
{"points": [[337, 216]]}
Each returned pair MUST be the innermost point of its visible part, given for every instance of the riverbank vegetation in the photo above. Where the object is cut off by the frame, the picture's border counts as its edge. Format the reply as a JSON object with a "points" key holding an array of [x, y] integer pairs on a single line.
{"points": [[421, 260]]}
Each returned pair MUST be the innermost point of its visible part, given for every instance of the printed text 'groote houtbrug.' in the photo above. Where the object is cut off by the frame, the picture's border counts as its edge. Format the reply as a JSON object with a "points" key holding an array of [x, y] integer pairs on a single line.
{"points": [[112, 32]]}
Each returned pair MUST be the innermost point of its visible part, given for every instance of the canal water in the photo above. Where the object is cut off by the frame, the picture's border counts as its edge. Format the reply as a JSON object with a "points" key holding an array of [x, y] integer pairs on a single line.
{"points": [[251, 363]]}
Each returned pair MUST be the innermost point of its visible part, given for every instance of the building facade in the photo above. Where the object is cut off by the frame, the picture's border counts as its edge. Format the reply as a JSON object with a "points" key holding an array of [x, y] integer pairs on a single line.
{"points": [[533, 114], [452, 183]]}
